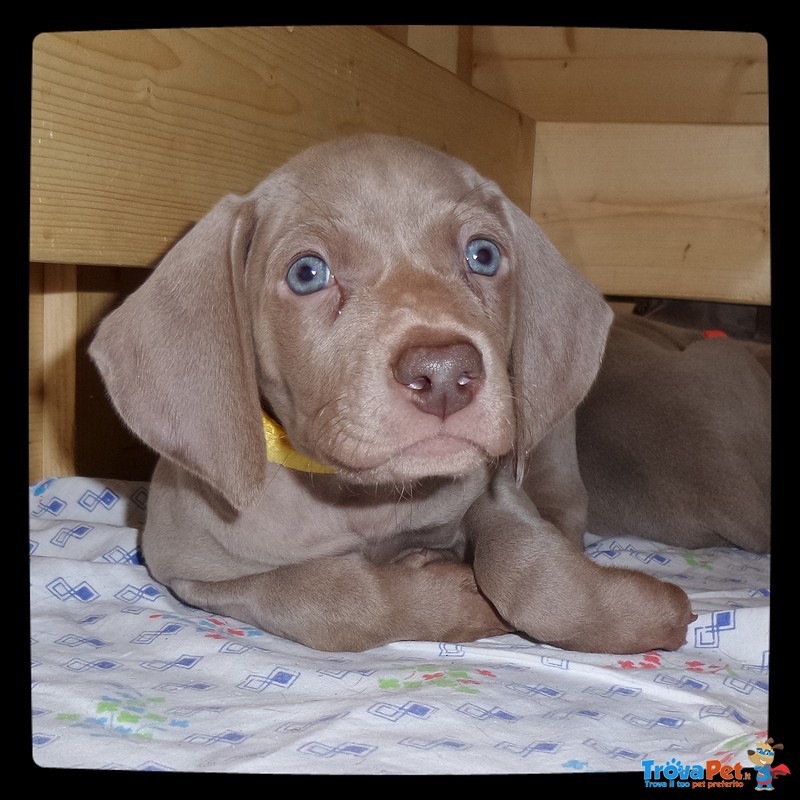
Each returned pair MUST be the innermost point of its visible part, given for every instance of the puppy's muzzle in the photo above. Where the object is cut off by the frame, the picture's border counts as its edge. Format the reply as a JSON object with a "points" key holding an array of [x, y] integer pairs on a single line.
{"points": [[440, 379]]}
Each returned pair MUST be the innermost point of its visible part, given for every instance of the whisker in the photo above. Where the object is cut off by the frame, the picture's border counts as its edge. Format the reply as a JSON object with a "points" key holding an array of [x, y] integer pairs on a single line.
{"points": [[461, 206], [327, 213]]}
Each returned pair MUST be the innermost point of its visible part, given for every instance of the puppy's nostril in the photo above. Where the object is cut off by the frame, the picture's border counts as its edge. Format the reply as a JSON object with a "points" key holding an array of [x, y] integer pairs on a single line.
{"points": [[420, 384], [443, 378]]}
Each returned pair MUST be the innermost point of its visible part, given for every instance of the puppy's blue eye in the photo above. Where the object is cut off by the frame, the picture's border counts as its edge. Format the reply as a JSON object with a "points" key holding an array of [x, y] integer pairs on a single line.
{"points": [[308, 274], [483, 257]]}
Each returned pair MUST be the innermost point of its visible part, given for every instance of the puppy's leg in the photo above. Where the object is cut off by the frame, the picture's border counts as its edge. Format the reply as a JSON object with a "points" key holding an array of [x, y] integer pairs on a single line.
{"points": [[346, 603], [546, 587], [553, 481]]}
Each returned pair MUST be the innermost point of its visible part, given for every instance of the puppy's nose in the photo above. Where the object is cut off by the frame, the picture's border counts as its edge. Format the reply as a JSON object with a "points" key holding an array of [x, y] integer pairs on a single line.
{"points": [[443, 379]]}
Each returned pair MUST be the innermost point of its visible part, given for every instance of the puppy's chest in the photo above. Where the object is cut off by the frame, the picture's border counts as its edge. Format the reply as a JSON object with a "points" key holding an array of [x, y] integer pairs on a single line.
{"points": [[403, 528], [445, 541], [383, 525]]}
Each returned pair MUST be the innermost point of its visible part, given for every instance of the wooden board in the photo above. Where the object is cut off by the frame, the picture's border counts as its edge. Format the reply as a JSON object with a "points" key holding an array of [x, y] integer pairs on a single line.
{"points": [[659, 210], [136, 134], [614, 75], [51, 370], [35, 372]]}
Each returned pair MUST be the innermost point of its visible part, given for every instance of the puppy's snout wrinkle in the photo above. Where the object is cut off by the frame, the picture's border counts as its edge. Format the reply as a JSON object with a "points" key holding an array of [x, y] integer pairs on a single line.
{"points": [[442, 379]]}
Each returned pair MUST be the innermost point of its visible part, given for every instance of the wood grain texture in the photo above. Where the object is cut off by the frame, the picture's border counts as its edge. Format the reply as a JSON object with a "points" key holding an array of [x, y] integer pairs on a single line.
{"points": [[35, 372], [59, 325], [136, 134], [439, 43], [614, 75], [659, 210]]}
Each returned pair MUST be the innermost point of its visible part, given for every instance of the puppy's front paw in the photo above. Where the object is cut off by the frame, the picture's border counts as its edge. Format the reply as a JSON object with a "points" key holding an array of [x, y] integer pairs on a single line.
{"points": [[604, 610], [677, 620], [457, 611], [650, 614]]}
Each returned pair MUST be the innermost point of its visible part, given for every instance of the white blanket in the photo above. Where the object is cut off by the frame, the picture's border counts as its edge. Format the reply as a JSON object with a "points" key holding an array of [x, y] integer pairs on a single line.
{"points": [[126, 677]]}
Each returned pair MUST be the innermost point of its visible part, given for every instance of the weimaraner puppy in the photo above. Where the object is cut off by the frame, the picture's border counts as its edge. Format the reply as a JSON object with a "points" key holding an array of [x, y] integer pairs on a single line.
{"points": [[674, 438], [361, 379]]}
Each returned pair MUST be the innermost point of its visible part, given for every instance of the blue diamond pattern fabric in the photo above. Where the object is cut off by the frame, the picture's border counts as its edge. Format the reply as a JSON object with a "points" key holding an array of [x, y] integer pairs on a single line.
{"points": [[124, 677]]}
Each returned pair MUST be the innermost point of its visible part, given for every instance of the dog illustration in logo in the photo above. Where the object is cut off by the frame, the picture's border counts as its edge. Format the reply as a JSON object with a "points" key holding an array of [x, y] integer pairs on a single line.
{"points": [[762, 757]]}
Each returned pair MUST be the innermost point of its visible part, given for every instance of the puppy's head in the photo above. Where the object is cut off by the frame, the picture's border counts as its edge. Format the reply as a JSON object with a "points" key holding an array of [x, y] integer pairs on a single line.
{"points": [[390, 307]]}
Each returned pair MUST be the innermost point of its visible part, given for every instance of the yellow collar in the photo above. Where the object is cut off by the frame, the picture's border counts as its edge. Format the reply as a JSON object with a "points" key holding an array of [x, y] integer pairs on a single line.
{"points": [[280, 450]]}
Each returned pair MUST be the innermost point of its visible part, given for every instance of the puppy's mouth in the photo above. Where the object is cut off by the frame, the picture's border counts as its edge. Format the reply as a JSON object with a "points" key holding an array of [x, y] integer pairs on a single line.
{"points": [[438, 445], [440, 454]]}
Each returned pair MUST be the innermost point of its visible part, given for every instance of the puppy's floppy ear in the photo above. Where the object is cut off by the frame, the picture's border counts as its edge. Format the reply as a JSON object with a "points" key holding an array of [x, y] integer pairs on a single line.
{"points": [[178, 360], [562, 322]]}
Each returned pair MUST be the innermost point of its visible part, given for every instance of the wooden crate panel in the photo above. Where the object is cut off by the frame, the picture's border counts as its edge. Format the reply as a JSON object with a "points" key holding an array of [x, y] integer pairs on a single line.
{"points": [[51, 370], [136, 134], [614, 75], [659, 210]]}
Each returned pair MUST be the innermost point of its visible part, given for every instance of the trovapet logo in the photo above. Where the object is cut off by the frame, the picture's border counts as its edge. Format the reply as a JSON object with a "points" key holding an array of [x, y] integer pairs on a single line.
{"points": [[675, 775], [713, 774]]}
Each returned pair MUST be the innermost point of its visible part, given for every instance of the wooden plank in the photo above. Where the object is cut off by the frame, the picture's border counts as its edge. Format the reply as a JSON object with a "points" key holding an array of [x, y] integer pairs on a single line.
{"points": [[614, 75], [397, 32], [59, 334], [136, 134], [35, 372], [659, 210], [450, 46], [439, 43]]}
